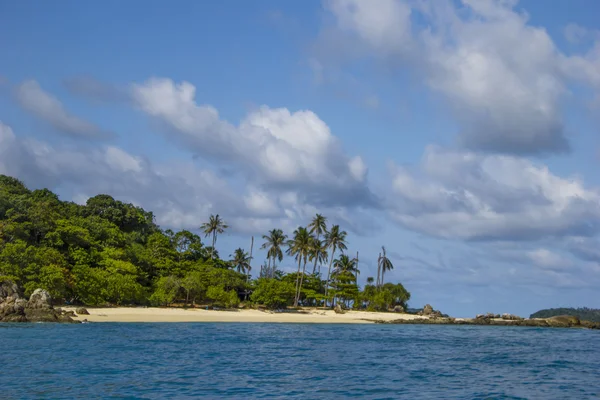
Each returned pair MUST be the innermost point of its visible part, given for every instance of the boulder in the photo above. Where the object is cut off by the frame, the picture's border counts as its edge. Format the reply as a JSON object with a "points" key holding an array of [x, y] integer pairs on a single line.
{"points": [[14, 308], [338, 309], [511, 317], [398, 309], [427, 310], [82, 311], [9, 289]]}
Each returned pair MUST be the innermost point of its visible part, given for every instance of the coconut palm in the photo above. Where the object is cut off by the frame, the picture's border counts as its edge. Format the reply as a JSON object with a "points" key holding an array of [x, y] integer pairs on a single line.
{"points": [[344, 264], [241, 261], [299, 247], [215, 226], [334, 239], [317, 227], [318, 253], [383, 264], [273, 243]]}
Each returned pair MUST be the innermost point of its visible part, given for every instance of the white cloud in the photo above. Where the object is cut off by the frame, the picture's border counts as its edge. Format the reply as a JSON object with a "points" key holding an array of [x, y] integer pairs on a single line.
{"points": [[547, 259], [383, 24], [503, 77], [48, 108], [272, 147], [465, 195], [180, 194]]}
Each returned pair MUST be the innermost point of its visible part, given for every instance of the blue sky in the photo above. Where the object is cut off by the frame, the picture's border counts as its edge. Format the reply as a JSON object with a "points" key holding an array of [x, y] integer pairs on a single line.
{"points": [[462, 135]]}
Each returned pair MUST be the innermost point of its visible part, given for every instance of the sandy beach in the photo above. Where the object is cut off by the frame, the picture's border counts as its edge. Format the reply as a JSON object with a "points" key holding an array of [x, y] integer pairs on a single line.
{"points": [[155, 314]]}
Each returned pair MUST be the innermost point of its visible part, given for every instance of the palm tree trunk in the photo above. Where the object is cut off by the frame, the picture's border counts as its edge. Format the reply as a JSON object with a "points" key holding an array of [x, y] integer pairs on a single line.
{"points": [[297, 280], [212, 250], [329, 274], [378, 271], [301, 281], [316, 258]]}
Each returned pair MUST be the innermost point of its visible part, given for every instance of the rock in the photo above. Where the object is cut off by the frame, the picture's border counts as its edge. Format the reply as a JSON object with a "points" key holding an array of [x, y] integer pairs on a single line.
{"points": [[563, 321], [338, 309], [398, 309], [9, 289], [590, 324], [511, 317], [69, 313], [82, 311], [534, 322], [14, 308], [40, 300], [427, 309]]}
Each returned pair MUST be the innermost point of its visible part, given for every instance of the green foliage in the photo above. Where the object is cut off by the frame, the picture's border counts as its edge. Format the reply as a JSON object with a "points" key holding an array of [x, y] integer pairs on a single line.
{"points": [[107, 252], [166, 290], [587, 314], [222, 297], [273, 293]]}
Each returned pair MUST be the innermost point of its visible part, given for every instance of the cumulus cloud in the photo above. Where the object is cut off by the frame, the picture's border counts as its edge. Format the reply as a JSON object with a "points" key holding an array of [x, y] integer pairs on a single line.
{"points": [[180, 194], [465, 195], [46, 107], [273, 147], [504, 78]]}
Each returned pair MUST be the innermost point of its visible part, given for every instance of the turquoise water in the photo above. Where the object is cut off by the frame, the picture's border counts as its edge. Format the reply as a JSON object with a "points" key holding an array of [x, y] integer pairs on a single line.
{"points": [[195, 360]]}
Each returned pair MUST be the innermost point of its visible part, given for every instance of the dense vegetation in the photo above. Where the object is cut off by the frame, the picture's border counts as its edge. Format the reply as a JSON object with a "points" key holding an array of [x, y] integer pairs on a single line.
{"points": [[110, 253], [587, 314]]}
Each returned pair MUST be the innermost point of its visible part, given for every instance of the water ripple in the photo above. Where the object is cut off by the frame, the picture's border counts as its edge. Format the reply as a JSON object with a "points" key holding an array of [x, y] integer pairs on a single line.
{"points": [[192, 360]]}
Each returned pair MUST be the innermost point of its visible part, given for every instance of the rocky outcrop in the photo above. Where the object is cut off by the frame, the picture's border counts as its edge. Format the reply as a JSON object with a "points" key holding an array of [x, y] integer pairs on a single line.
{"points": [[82, 311], [398, 309], [338, 309], [563, 321], [14, 308], [427, 310]]}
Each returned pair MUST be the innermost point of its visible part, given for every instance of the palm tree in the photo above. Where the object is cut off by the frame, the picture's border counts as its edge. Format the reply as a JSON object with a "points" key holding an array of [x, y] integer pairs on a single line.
{"points": [[334, 239], [273, 243], [318, 253], [299, 247], [215, 226], [384, 264], [345, 264], [241, 261], [317, 226]]}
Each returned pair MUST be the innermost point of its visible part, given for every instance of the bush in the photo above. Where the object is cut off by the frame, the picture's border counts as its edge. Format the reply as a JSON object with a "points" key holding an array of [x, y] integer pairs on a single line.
{"points": [[273, 293]]}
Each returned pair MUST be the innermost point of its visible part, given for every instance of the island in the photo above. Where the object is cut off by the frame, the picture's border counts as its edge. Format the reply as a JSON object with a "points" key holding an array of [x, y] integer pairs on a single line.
{"points": [[109, 261]]}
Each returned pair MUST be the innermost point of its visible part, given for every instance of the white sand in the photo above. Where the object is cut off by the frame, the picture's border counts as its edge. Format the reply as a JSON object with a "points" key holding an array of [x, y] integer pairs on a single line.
{"points": [[155, 314]]}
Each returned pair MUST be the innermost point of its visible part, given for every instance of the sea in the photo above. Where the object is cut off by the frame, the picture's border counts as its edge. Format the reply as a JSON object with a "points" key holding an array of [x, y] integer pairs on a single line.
{"points": [[296, 361]]}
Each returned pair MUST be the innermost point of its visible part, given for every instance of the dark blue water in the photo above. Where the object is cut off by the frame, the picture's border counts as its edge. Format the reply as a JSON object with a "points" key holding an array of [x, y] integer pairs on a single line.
{"points": [[173, 361]]}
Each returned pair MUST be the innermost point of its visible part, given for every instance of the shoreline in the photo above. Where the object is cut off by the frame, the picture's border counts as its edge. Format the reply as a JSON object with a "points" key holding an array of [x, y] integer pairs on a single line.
{"points": [[306, 316], [159, 314]]}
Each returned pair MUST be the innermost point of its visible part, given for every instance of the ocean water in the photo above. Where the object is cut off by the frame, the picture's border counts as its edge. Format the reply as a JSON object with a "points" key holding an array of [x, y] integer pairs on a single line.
{"points": [[238, 361]]}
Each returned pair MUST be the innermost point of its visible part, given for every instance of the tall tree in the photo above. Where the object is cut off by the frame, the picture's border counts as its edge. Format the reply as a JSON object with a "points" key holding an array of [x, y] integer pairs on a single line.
{"points": [[273, 243], [334, 239], [317, 227], [215, 226], [299, 247], [344, 274], [241, 261], [384, 264], [318, 253]]}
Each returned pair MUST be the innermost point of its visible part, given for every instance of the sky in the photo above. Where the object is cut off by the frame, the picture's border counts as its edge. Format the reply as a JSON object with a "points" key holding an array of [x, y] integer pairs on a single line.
{"points": [[460, 135]]}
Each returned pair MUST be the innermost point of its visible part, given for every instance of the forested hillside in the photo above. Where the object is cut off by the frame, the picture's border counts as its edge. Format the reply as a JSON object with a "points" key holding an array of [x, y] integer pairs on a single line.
{"points": [[588, 314], [110, 253]]}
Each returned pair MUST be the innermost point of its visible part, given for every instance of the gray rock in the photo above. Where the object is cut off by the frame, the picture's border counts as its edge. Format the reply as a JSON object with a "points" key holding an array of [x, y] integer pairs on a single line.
{"points": [[427, 309], [40, 300], [82, 311], [398, 309]]}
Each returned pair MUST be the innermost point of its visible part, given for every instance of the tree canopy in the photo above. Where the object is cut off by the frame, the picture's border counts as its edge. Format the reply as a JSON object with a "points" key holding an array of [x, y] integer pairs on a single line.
{"points": [[107, 252]]}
